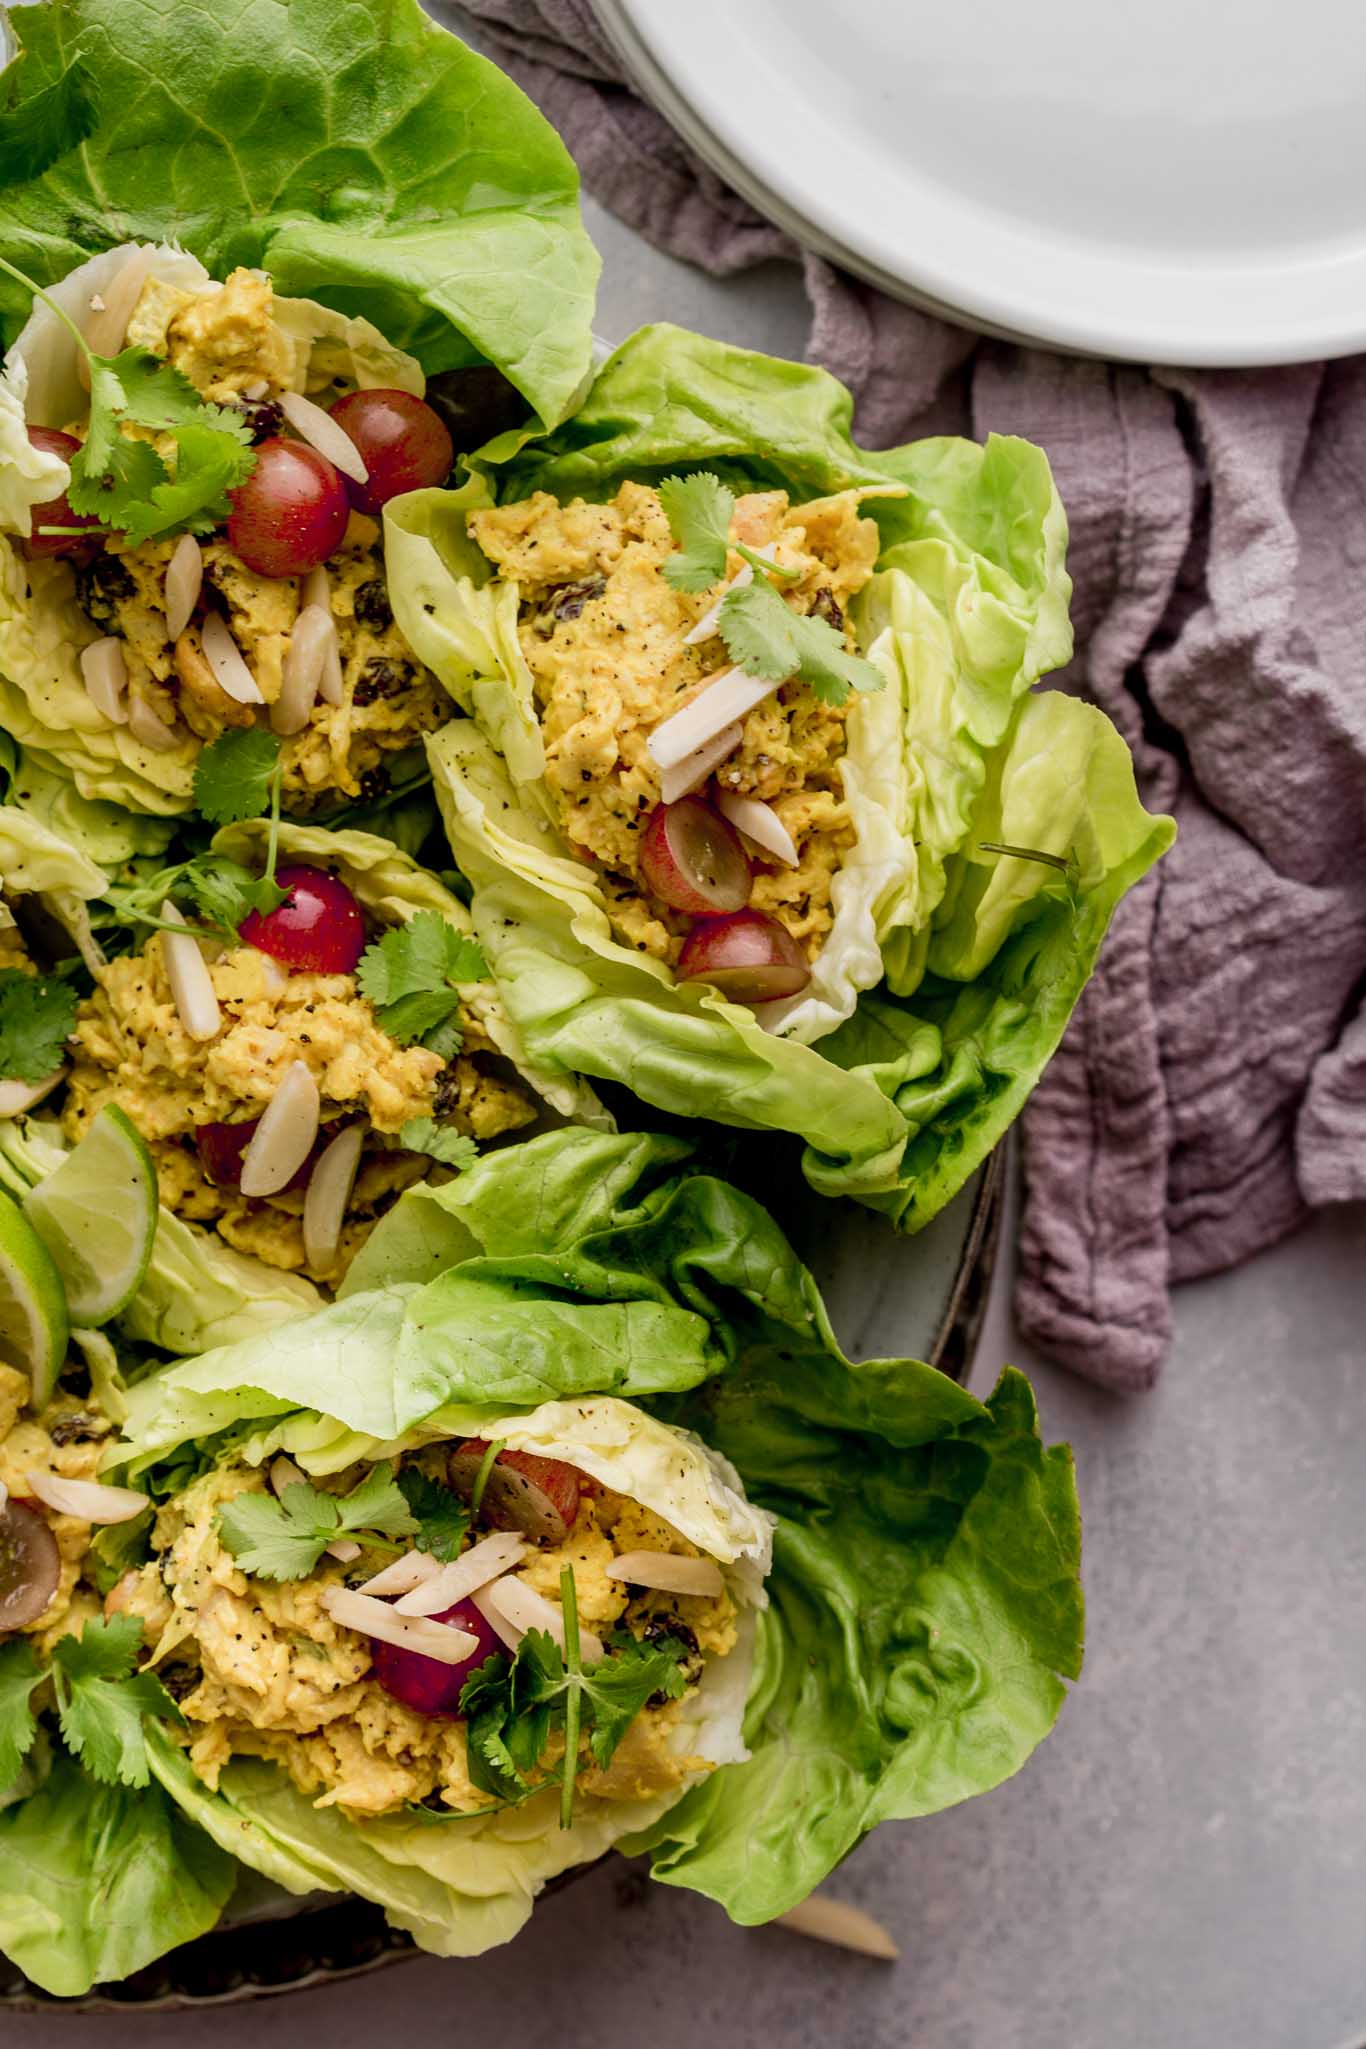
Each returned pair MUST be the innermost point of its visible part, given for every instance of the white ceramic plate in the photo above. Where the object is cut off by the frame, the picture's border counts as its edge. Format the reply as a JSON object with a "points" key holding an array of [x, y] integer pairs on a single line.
{"points": [[1182, 181]]}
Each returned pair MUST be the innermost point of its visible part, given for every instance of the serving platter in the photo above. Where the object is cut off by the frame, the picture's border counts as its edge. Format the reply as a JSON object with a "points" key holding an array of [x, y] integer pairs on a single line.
{"points": [[1184, 185], [926, 1294]]}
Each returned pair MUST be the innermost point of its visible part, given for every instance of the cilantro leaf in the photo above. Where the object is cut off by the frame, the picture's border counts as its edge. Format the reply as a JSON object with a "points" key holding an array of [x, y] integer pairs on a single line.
{"points": [[276, 1539], [378, 1504], [410, 976], [452, 1148], [511, 1707], [233, 775], [225, 893], [101, 1699], [445, 1038], [19, 1675], [151, 392], [412, 1018], [619, 1687], [442, 1516], [37, 1013], [284, 1539], [424, 955], [211, 462], [765, 637], [128, 473], [698, 509]]}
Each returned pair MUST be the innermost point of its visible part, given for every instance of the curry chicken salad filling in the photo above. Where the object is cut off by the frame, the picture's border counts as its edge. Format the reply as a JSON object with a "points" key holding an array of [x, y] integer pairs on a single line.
{"points": [[711, 801], [284, 1107], [420, 1659], [217, 549]]}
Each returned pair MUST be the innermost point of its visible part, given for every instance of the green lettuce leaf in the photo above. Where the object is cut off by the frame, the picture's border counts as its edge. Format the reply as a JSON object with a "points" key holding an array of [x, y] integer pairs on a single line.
{"points": [[364, 157], [924, 1610], [96, 1881], [976, 958], [197, 1290]]}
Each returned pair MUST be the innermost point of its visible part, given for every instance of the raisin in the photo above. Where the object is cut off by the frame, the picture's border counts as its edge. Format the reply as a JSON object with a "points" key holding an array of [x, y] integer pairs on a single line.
{"points": [[372, 606], [263, 417], [565, 601], [82, 1427], [825, 605], [446, 1101], [179, 1680], [102, 585], [381, 677], [664, 1629], [374, 784]]}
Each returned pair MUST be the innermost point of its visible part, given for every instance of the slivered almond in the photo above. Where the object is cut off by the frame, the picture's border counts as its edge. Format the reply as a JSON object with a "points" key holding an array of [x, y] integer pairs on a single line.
{"points": [[148, 727], [403, 1574], [669, 1571], [760, 823], [303, 668], [693, 770], [521, 1608], [200, 680], [89, 1500], [835, 1921], [321, 431], [369, 1617], [18, 1096], [284, 1137], [105, 675], [727, 697], [473, 1569], [225, 658], [184, 582], [329, 1191], [188, 974]]}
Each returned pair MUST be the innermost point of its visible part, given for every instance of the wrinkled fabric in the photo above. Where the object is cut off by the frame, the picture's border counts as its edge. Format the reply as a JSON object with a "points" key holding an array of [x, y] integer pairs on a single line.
{"points": [[1212, 1085]]}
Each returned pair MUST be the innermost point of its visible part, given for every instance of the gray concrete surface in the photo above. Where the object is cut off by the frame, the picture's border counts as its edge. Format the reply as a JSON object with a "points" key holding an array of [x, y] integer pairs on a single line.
{"points": [[1182, 1866]]}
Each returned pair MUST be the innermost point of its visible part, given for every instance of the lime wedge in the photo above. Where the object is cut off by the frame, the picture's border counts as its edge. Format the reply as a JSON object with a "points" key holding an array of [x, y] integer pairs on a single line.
{"points": [[33, 1323], [97, 1216]]}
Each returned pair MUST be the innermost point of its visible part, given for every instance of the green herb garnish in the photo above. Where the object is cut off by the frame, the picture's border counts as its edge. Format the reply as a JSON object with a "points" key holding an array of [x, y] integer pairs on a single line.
{"points": [[101, 1700], [284, 1539], [411, 977], [37, 1013]]}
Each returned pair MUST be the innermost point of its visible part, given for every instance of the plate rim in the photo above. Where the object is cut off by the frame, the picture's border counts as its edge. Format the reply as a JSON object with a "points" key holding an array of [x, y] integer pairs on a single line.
{"points": [[975, 306]]}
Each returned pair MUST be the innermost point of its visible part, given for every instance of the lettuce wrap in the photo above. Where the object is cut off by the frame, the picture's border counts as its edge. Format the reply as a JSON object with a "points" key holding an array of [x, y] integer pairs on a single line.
{"points": [[590, 1294], [199, 1290], [416, 218], [952, 963]]}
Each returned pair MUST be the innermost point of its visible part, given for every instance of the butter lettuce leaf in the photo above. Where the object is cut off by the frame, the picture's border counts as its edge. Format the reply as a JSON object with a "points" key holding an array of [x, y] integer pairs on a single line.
{"points": [[594, 1297], [949, 971], [96, 1880], [365, 157]]}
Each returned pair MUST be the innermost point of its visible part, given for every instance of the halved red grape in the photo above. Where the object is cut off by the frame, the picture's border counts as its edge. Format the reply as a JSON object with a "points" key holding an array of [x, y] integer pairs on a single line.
{"points": [[221, 1146], [291, 513], [538, 1496], [425, 1683], [403, 444], [57, 511], [749, 957], [694, 859], [30, 1564], [318, 929]]}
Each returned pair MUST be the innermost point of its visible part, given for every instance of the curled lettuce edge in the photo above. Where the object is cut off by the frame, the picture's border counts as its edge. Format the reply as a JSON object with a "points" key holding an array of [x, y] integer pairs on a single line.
{"points": [[923, 1612]]}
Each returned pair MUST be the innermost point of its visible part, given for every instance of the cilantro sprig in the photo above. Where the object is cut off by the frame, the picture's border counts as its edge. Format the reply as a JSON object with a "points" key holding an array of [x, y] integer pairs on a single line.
{"points": [[513, 1707], [37, 1013], [699, 510], [453, 1148], [284, 1539], [101, 1700], [238, 776], [442, 1517], [122, 479], [763, 636], [411, 976]]}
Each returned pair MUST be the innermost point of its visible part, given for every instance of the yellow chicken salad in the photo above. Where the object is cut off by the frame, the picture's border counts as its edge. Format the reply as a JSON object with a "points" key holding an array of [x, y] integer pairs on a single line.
{"points": [[209, 557]]}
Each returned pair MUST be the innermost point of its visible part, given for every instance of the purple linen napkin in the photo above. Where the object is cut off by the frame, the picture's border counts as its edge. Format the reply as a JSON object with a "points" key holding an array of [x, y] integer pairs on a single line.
{"points": [[1212, 1084]]}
